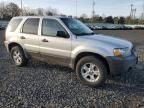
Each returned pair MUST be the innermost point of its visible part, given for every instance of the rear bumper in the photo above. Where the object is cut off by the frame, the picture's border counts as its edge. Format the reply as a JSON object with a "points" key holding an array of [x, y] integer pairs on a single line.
{"points": [[117, 65]]}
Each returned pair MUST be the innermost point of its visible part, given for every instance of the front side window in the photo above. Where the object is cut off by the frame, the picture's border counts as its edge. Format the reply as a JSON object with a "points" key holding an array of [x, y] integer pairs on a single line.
{"points": [[50, 27], [31, 26], [77, 27], [14, 23]]}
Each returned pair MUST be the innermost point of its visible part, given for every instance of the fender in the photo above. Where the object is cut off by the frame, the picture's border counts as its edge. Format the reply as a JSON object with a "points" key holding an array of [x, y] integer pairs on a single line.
{"points": [[98, 50], [83, 49]]}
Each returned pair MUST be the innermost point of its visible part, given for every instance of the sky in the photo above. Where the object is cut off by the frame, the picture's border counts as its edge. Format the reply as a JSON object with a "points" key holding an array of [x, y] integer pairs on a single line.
{"points": [[102, 7]]}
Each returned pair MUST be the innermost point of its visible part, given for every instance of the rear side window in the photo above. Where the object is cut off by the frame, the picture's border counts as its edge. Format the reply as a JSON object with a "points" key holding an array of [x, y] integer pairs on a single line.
{"points": [[31, 26], [14, 23]]}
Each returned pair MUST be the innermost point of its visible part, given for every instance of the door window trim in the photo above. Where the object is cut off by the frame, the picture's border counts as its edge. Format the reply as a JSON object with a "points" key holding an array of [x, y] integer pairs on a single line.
{"points": [[21, 30], [50, 35]]}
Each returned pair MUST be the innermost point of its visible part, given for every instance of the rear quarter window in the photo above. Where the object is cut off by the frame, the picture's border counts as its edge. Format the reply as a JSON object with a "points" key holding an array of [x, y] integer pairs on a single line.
{"points": [[14, 23]]}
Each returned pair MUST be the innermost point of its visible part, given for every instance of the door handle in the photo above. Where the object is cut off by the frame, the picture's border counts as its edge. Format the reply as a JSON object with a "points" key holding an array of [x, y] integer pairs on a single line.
{"points": [[22, 37], [44, 40]]}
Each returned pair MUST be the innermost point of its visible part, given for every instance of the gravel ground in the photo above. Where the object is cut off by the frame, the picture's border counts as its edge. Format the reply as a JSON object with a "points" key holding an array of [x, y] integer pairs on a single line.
{"points": [[40, 85]]}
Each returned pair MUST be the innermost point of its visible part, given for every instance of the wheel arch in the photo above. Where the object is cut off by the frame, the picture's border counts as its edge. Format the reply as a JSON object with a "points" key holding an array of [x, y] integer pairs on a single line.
{"points": [[13, 44], [83, 54]]}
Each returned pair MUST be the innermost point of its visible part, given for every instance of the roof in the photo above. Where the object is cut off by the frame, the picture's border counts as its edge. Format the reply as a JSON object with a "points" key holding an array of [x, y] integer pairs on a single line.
{"points": [[42, 17]]}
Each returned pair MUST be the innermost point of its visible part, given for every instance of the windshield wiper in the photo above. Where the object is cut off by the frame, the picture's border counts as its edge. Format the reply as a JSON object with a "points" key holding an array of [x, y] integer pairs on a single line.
{"points": [[81, 34]]}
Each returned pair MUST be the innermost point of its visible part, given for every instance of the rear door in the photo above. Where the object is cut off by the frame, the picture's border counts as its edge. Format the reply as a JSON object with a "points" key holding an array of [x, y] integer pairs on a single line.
{"points": [[29, 35], [52, 47]]}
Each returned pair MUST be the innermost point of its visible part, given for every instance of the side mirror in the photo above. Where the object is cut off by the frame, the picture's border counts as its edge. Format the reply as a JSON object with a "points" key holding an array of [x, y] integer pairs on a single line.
{"points": [[62, 34]]}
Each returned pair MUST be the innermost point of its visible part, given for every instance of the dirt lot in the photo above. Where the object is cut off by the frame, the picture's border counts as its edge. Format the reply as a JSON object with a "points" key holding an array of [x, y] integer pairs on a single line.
{"points": [[40, 85]]}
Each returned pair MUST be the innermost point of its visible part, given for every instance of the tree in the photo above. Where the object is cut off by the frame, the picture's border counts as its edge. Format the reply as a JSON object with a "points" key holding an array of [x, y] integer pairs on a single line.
{"points": [[95, 18], [121, 20], [116, 19], [83, 18], [2, 10], [109, 19], [100, 19], [51, 12], [40, 11], [12, 10], [28, 12]]}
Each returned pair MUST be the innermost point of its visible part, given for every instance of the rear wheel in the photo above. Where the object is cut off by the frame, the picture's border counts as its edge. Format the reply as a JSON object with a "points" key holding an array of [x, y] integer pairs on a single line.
{"points": [[91, 71], [18, 56]]}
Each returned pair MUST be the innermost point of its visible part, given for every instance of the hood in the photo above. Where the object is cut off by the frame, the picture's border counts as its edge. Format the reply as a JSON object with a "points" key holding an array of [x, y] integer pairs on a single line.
{"points": [[108, 40]]}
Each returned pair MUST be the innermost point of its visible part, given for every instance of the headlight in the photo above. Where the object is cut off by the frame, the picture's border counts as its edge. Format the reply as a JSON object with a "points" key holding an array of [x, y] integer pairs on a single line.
{"points": [[121, 51]]}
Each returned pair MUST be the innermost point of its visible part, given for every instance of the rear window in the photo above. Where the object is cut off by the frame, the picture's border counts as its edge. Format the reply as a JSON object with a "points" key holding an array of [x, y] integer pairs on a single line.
{"points": [[14, 23], [31, 26]]}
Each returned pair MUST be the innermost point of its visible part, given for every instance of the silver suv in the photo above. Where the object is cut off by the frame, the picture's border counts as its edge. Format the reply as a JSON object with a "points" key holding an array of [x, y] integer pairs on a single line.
{"points": [[66, 41]]}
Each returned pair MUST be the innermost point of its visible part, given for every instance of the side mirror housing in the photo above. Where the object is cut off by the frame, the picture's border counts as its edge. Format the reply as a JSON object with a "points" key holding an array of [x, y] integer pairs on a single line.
{"points": [[62, 34]]}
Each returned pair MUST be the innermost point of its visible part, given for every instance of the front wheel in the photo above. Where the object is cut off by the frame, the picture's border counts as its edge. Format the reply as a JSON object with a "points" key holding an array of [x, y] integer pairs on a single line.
{"points": [[91, 71]]}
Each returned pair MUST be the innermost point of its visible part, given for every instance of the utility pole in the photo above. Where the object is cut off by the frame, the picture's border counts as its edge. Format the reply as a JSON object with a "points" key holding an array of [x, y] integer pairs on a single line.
{"points": [[131, 13], [93, 10], [21, 8], [134, 15]]}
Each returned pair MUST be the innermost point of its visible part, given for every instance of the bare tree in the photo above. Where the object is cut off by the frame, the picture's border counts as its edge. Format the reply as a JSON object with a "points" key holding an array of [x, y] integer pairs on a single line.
{"points": [[84, 17], [28, 12], [40, 11], [141, 20], [12, 10], [2, 10], [51, 12]]}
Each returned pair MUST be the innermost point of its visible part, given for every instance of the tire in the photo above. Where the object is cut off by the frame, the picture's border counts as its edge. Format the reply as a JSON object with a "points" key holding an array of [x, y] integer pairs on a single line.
{"points": [[94, 76], [18, 56]]}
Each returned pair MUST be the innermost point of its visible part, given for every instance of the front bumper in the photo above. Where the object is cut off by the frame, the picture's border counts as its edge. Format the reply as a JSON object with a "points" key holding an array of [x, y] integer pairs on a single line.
{"points": [[117, 65]]}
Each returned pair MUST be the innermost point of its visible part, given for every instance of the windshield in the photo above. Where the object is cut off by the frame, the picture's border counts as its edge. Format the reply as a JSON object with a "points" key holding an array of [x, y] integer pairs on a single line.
{"points": [[77, 27]]}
